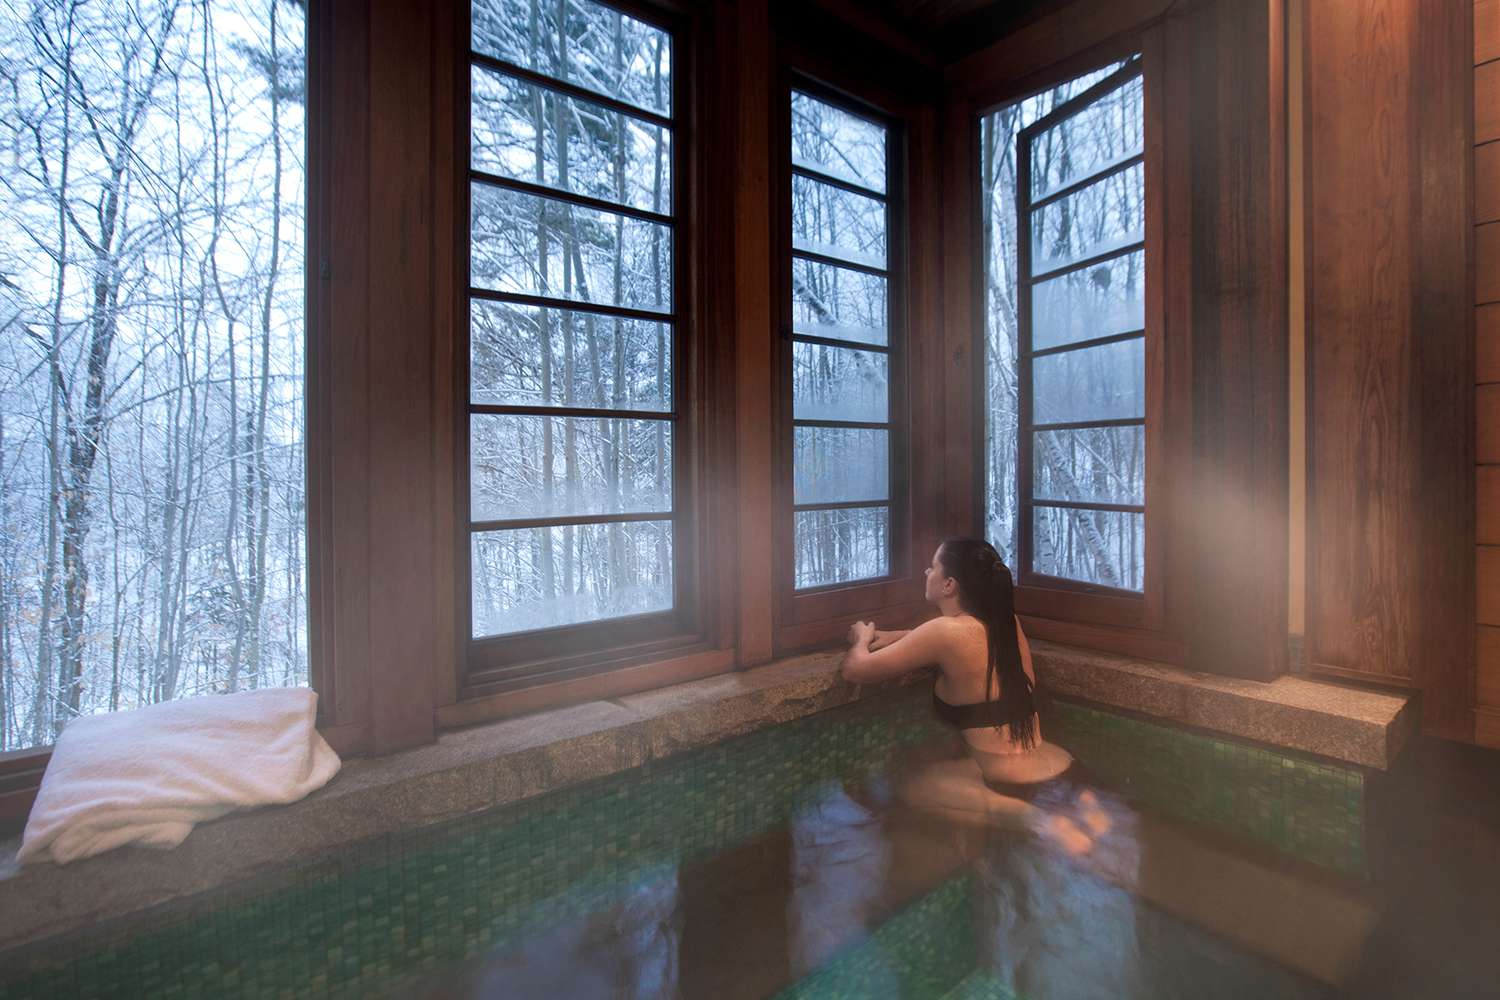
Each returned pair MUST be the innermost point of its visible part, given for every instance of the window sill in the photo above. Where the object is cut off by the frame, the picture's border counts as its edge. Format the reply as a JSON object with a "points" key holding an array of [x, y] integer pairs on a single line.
{"points": [[1351, 725], [489, 765], [465, 771]]}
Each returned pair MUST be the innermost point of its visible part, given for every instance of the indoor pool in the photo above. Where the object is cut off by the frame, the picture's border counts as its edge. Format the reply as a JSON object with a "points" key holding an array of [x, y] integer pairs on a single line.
{"points": [[781, 865]]}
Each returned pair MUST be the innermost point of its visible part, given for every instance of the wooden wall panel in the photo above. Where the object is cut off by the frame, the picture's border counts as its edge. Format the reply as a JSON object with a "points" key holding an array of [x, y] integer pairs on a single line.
{"points": [[1487, 182], [1487, 505], [1487, 585], [1487, 728], [1390, 348], [1487, 263], [1487, 419], [1487, 666], [1487, 102], [1486, 30], [1487, 344]]}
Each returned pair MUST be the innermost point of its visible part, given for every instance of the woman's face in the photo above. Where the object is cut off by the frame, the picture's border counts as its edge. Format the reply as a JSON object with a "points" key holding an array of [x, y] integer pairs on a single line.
{"points": [[939, 583]]}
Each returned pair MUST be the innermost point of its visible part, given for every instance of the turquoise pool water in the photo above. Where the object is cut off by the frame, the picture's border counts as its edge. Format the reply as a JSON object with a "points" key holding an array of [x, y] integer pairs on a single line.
{"points": [[781, 864]]}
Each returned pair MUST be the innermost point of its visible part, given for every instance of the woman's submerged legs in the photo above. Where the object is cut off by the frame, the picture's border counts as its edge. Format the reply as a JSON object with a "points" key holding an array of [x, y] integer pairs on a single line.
{"points": [[956, 789]]}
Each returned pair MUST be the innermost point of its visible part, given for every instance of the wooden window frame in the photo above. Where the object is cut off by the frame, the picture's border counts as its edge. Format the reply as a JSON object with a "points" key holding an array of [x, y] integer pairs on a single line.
{"points": [[1042, 594], [799, 607], [815, 54], [501, 674], [1149, 622]]}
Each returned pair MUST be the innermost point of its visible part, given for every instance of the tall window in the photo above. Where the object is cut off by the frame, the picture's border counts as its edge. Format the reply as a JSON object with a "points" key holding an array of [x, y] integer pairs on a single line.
{"points": [[152, 488], [572, 317], [841, 347], [1063, 174]]}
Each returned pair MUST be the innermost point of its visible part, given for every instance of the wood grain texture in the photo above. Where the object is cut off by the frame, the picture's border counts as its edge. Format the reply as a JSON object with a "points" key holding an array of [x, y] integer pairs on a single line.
{"points": [[1487, 505], [1487, 263], [1239, 334], [1487, 344], [403, 629], [1487, 102], [1008, 67], [1487, 728], [1390, 348], [1487, 182], [1486, 30], [1487, 584], [339, 404], [754, 331], [1487, 425], [1487, 666]]}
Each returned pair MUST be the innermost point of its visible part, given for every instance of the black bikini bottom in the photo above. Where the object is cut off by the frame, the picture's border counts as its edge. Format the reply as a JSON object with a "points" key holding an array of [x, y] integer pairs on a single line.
{"points": [[1030, 790]]}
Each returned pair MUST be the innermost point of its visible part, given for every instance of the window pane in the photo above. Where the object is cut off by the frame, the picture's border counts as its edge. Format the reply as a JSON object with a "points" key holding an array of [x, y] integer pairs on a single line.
{"points": [[1093, 546], [1096, 301], [1107, 131], [837, 383], [189, 512], [837, 223], [999, 142], [1095, 383], [1106, 215], [836, 546], [621, 364], [531, 466], [840, 464], [505, 257], [838, 303], [609, 155], [531, 578], [606, 51], [1092, 464], [835, 142]]}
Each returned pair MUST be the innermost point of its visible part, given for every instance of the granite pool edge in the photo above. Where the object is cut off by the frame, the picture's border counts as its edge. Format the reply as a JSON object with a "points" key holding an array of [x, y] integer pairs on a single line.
{"points": [[495, 764]]}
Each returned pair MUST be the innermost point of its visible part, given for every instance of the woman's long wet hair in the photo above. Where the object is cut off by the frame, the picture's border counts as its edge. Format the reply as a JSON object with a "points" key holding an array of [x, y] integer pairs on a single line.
{"points": [[986, 591]]}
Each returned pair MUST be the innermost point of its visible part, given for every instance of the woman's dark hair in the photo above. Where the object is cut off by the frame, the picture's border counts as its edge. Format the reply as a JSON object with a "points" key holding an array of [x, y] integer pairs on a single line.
{"points": [[986, 591]]}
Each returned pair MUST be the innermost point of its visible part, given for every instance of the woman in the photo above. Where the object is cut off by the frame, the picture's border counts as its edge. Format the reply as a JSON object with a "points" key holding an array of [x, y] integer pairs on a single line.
{"points": [[985, 691]]}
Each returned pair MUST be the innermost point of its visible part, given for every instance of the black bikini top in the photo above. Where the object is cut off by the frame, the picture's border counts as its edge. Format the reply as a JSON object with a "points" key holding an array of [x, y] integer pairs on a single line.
{"points": [[1000, 712]]}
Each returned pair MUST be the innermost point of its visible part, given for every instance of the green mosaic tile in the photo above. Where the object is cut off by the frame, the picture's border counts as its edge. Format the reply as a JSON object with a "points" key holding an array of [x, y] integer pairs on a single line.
{"points": [[923, 951], [1309, 809], [980, 985], [392, 911]]}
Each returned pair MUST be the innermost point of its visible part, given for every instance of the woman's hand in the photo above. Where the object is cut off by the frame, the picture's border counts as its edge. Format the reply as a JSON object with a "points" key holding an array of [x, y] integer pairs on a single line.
{"points": [[861, 634]]}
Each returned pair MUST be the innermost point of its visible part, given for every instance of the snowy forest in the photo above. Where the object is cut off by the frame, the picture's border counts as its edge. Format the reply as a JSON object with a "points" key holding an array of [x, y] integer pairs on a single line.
{"points": [[611, 354], [840, 365], [152, 302], [1104, 382], [151, 355]]}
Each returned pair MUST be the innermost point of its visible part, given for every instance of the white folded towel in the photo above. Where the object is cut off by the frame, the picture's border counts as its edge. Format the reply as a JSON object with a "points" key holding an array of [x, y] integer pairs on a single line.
{"points": [[147, 776]]}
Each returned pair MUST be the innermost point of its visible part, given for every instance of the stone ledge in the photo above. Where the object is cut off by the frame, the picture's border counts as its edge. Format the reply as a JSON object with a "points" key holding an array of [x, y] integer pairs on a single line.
{"points": [[1350, 725], [494, 764], [465, 771]]}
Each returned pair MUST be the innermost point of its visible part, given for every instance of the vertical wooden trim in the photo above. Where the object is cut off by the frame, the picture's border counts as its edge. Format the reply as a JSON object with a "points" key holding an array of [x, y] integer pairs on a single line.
{"points": [[449, 139], [962, 369], [749, 26], [1442, 323], [402, 626], [338, 444], [1239, 329]]}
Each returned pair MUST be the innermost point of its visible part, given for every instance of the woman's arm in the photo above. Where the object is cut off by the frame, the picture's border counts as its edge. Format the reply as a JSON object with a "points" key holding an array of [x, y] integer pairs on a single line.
{"points": [[884, 638], [1025, 651], [921, 647]]}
